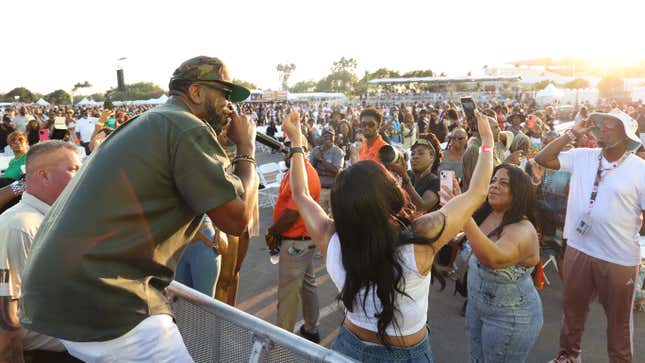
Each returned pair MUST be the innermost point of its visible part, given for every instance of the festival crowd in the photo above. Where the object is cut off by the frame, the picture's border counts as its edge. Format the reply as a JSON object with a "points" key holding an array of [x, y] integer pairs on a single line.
{"points": [[394, 198]]}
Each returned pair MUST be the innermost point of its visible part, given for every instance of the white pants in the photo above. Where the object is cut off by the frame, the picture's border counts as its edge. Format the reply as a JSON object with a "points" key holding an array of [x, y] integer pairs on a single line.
{"points": [[155, 339]]}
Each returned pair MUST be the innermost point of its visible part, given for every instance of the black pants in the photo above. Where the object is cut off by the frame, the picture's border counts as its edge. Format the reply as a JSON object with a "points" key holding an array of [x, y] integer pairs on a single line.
{"points": [[86, 145]]}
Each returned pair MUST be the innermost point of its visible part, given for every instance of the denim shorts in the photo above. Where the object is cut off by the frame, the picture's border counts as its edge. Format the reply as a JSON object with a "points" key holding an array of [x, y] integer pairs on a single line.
{"points": [[349, 344]]}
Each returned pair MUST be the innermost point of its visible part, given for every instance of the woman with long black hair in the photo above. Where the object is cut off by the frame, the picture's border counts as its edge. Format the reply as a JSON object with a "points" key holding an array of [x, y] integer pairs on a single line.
{"points": [[379, 253]]}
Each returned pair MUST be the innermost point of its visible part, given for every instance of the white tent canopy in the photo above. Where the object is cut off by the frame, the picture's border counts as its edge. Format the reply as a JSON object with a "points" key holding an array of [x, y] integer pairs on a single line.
{"points": [[549, 94], [86, 102], [42, 102], [158, 101]]}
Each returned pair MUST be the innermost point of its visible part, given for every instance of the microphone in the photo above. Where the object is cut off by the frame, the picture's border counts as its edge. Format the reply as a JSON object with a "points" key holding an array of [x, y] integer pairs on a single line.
{"points": [[269, 141]]}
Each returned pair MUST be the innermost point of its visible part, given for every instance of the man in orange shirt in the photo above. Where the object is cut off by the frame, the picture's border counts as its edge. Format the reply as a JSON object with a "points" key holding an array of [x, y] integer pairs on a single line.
{"points": [[371, 120], [296, 276]]}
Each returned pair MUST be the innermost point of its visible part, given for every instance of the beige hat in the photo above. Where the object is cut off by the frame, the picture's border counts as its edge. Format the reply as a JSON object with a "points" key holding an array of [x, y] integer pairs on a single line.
{"points": [[629, 124]]}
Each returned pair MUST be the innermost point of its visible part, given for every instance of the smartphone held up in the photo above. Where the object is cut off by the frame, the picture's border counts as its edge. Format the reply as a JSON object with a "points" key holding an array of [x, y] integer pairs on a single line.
{"points": [[445, 179], [469, 107]]}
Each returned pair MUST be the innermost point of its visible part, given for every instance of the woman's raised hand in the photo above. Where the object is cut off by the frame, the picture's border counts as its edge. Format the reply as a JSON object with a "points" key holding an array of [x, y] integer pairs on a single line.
{"points": [[398, 167], [483, 126], [448, 193]]}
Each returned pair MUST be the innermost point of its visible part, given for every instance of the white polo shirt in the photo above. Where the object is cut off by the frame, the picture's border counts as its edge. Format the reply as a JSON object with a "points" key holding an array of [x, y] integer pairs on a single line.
{"points": [[616, 216], [18, 227], [85, 127]]}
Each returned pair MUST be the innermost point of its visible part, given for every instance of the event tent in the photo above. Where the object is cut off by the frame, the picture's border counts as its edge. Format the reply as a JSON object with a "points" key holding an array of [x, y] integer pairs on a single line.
{"points": [[549, 94], [86, 102], [42, 102]]}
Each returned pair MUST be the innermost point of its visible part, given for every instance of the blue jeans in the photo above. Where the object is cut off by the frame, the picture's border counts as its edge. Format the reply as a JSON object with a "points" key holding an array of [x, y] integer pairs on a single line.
{"points": [[199, 267], [349, 344], [504, 314]]}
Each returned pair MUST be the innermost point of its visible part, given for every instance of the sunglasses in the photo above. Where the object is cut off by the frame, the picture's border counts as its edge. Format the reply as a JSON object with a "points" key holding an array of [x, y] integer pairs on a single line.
{"points": [[458, 138], [227, 92], [368, 124]]}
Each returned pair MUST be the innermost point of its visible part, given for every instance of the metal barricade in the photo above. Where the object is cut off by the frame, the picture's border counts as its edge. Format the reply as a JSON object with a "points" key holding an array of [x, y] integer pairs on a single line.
{"points": [[216, 332]]}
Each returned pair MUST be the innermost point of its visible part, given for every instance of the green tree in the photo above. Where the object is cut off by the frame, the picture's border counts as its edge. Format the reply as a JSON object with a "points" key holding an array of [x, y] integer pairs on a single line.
{"points": [[59, 97], [577, 83], [343, 81], [342, 78], [80, 85], [98, 97], [611, 86], [344, 65], [361, 86], [246, 84], [284, 71], [419, 73], [136, 91], [25, 95], [303, 87]]}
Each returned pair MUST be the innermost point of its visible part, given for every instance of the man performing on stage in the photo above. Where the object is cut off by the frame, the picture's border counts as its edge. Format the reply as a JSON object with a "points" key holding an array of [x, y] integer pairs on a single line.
{"points": [[110, 244]]}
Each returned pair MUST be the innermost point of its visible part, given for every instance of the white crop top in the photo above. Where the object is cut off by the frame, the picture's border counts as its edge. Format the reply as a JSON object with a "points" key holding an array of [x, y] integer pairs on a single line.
{"points": [[412, 311]]}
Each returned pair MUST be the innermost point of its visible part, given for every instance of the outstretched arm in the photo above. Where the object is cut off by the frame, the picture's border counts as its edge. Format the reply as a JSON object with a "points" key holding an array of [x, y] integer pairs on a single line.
{"points": [[318, 224], [548, 156]]}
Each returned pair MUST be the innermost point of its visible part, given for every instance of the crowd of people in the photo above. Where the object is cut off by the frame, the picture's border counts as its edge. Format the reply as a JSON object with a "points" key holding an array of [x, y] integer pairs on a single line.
{"points": [[363, 189]]}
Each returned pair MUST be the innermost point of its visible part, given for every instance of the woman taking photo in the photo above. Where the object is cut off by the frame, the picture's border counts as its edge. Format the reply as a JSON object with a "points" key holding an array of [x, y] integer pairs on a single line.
{"points": [[421, 183], [504, 312], [453, 157], [378, 254]]}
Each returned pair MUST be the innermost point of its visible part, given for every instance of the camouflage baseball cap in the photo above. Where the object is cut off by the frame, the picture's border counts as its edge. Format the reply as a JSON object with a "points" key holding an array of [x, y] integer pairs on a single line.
{"points": [[209, 69]]}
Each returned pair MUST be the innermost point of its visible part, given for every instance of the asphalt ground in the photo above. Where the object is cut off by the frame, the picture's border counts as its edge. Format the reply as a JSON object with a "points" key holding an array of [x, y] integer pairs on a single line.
{"points": [[258, 296]]}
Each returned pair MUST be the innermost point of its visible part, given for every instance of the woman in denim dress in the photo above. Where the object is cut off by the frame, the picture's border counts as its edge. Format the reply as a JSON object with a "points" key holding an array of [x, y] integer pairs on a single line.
{"points": [[504, 313]]}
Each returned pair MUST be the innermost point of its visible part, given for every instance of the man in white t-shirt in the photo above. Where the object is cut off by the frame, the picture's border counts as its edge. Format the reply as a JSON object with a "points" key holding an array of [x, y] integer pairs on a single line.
{"points": [[84, 130], [604, 216], [22, 119], [50, 166]]}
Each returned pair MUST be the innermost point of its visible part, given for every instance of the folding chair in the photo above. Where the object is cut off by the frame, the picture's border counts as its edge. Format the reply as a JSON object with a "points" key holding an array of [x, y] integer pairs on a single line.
{"points": [[270, 176], [550, 260]]}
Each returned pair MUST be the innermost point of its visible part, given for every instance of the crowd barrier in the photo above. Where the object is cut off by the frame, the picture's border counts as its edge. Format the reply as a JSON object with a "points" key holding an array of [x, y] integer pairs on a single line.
{"points": [[216, 332]]}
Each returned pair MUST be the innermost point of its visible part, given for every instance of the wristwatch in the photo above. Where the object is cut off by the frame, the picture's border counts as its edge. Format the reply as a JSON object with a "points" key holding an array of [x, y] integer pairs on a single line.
{"points": [[296, 149]]}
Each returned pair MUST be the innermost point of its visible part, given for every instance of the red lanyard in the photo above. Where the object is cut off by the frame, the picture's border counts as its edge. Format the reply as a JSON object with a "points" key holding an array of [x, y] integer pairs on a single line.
{"points": [[594, 190]]}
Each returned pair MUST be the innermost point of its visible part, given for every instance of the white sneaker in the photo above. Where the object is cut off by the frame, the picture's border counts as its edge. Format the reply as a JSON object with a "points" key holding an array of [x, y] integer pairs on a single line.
{"points": [[563, 357]]}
